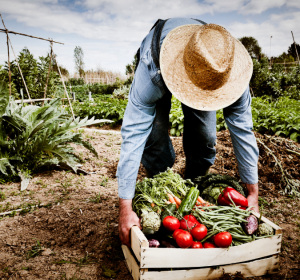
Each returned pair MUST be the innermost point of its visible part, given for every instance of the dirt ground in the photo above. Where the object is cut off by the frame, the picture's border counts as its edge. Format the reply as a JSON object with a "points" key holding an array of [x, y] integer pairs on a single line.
{"points": [[71, 230]]}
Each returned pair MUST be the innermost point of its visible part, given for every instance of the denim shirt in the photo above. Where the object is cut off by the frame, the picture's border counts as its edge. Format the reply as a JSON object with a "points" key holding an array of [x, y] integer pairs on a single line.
{"points": [[147, 88]]}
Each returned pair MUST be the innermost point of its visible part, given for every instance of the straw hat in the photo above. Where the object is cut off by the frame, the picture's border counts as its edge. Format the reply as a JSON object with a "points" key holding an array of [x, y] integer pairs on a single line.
{"points": [[204, 66]]}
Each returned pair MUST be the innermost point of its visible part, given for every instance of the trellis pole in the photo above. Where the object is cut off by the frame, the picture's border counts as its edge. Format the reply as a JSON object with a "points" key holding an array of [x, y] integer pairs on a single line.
{"points": [[8, 58], [49, 70], [9, 42], [295, 48], [66, 92]]}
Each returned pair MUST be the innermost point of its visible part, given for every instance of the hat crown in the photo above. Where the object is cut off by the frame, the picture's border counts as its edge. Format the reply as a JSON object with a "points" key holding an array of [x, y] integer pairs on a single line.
{"points": [[208, 57]]}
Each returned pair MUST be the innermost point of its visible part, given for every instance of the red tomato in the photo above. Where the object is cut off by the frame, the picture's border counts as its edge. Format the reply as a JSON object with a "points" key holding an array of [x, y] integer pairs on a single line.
{"points": [[171, 223], [197, 245], [199, 232], [176, 232], [223, 239], [184, 239], [188, 222], [208, 245]]}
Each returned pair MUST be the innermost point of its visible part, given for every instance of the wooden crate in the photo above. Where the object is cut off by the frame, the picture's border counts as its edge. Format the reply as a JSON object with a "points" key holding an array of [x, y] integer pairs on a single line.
{"points": [[256, 258]]}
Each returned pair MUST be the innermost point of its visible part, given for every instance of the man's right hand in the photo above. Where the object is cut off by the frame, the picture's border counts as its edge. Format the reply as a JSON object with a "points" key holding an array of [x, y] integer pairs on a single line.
{"points": [[127, 219]]}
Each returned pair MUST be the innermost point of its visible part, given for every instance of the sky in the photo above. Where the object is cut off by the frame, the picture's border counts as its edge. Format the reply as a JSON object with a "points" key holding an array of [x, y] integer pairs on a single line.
{"points": [[110, 31]]}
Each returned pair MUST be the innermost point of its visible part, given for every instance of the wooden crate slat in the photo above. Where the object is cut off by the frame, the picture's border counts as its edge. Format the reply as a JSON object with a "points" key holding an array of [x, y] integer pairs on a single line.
{"points": [[254, 268], [175, 257], [138, 241], [131, 263]]}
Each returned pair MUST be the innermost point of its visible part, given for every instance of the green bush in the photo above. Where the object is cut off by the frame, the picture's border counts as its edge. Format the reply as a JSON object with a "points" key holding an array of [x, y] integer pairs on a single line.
{"points": [[275, 82], [35, 73], [34, 137], [104, 107]]}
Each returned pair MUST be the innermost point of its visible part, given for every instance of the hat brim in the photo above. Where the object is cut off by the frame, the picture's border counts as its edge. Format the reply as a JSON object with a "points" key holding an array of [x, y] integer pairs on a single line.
{"points": [[176, 79]]}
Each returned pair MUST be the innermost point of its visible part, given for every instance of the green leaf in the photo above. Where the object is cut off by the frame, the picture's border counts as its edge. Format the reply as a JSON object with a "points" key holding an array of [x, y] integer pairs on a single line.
{"points": [[4, 97]]}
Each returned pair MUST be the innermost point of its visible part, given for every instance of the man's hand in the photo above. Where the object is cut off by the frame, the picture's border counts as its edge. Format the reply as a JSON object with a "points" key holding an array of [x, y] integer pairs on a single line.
{"points": [[253, 196], [127, 219]]}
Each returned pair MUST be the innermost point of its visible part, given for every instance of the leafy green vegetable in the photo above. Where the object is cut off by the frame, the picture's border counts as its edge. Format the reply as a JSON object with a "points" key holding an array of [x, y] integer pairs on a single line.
{"points": [[154, 190]]}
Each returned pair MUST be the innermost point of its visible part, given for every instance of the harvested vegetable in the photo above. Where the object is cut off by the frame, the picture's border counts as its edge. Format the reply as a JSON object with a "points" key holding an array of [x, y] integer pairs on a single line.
{"points": [[210, 184], [150, 221], [171, 223], [184, 239], [251, 225], [223, 239], [188, 202], [230, 196], [197, 245], [158, 191], [208, 245], [153, 243], [199, 232], [265, 229], [224, 218], [188, 222]]}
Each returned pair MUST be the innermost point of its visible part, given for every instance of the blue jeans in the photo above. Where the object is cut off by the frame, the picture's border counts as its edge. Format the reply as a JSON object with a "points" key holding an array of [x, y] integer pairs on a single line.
{"points": [[198, 140]]}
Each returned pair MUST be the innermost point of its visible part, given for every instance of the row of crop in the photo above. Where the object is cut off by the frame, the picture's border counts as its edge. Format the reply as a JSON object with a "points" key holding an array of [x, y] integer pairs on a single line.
{"points": [[280, 117], [103, 107]]}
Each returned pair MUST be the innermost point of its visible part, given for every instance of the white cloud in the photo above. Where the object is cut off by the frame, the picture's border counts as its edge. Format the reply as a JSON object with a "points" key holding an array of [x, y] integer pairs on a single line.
{"points": [[259, 6], [293, 3], [279, 26]]}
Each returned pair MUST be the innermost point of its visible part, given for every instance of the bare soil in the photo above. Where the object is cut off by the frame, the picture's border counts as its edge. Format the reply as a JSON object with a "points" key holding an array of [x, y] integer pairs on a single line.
{"points": [[71, 229]]}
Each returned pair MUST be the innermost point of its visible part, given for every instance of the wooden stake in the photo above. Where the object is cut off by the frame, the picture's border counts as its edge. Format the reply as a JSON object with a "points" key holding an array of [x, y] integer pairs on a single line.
{"points": [[20, 70], [66, 92], [9, 42], [295, 47], [8, 63], [8, 59], [49, 70]]}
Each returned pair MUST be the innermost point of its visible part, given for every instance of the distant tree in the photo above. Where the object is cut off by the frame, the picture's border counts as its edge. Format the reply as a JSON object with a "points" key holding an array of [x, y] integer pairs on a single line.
{"points": [[79, 64], [130, 68], [283, 58], [252, 46], [35, 74], [64, 71], [292, 50]]}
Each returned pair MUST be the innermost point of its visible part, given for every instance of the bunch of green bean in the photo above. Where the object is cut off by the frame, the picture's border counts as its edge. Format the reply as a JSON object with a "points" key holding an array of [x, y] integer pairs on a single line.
{"points": [[224, 218]]}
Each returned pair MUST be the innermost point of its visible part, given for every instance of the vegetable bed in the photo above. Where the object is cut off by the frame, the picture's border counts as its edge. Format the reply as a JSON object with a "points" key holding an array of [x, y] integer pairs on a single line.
{"points": [[255, 258]]}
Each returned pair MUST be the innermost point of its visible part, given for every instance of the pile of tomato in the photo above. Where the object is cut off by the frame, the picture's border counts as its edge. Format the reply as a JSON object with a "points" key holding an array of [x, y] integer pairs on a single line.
{"points": [[189, 232]]}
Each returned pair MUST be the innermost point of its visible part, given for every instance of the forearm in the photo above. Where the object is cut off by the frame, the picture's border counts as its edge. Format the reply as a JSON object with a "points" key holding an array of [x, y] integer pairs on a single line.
{"points": [[253, 196]]}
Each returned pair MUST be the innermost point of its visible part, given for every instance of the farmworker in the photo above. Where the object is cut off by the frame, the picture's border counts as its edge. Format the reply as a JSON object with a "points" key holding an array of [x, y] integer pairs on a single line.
{"points": [[206, 69]]}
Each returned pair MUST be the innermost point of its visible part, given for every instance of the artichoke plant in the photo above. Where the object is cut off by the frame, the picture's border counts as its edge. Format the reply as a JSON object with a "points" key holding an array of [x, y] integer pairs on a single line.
{"points": [[34, 137]]}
